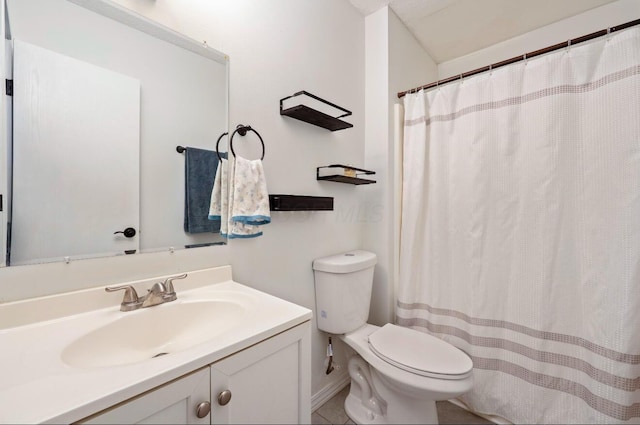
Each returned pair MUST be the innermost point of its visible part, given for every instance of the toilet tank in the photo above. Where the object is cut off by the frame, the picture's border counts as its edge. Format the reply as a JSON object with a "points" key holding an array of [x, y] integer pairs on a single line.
{"points": [[343, 285]]}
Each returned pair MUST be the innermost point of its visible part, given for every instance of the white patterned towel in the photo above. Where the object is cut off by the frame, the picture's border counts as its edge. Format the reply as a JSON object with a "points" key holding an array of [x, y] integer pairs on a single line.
{"points": [[250, 195], [240, 198]]}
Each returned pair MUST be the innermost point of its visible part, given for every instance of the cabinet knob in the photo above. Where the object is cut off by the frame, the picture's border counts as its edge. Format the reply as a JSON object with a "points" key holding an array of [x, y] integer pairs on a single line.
{"points": [[203, 409], [224, 397]]}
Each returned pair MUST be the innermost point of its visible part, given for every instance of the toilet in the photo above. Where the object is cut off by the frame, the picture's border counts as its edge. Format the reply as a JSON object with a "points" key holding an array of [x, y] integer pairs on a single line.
{"points": [[397, 373]]}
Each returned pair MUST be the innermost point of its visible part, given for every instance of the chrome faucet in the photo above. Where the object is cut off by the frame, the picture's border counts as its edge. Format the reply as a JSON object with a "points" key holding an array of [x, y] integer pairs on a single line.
{"points": [[160, 293]]}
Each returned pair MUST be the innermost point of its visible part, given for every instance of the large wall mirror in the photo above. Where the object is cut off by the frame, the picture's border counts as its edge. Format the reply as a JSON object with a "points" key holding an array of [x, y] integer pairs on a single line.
{"points": [[102, 99]]}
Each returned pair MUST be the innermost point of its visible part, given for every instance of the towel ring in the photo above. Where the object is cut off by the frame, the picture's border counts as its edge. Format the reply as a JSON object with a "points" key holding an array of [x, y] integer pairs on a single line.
{"points": [[218, 144], [242, 129]]}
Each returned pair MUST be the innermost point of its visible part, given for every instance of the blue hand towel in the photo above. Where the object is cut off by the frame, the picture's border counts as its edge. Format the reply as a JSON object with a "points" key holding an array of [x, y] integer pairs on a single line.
{"points": [[200, 170]]}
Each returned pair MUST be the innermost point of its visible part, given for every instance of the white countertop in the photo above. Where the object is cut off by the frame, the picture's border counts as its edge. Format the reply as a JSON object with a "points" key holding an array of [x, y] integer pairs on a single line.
{"points": [[37, 386]]}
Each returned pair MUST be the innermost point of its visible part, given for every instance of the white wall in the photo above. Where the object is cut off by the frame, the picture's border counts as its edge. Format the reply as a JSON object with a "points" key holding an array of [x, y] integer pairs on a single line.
{"points": [[395, 61], [276, 48], [376, 231], [593, 20]]}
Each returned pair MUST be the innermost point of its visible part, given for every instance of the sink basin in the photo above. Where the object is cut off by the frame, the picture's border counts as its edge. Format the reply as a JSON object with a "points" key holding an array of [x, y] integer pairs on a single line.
{"points": [[152, 332]]}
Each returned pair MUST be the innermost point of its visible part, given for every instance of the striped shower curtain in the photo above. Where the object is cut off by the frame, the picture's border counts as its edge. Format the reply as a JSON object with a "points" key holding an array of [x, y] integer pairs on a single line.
{"points": [[520, 240]]}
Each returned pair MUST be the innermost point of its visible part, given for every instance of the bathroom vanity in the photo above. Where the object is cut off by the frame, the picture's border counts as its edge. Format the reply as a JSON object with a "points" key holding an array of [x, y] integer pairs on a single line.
{"points": [[220, 353]]}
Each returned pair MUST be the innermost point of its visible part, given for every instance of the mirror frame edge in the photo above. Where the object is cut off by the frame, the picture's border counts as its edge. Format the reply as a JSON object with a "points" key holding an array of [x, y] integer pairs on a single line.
{"points": [[153, 28], [4, 176]]}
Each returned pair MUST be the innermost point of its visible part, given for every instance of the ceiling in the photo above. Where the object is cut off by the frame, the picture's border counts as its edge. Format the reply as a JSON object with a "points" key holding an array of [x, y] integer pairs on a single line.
{"points": [[448, 29]]}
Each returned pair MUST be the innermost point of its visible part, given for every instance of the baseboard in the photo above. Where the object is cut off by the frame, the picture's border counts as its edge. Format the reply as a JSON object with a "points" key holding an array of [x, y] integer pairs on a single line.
{"points": [[329, 390], [495, 419]]}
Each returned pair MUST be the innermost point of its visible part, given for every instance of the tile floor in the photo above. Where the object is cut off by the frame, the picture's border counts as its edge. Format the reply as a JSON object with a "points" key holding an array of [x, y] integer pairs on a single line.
{"points": [[332, 412]]}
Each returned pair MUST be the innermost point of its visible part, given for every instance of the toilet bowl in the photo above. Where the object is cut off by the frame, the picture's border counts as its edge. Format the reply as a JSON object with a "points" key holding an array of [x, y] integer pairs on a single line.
{"points": [[386, 390], [397, 373]]}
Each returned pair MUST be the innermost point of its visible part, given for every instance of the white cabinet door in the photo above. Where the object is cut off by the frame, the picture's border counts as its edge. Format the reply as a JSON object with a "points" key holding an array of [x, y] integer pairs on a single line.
{"points": [[269, 382], [172, 403]]}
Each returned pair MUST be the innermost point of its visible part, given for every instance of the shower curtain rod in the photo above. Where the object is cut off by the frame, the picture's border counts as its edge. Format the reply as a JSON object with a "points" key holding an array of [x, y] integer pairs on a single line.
{"points": [[525, 56]]}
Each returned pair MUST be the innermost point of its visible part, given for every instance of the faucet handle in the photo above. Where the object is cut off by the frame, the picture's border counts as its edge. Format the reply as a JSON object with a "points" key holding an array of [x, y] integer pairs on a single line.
{"points": [[168, 284], [130, 300], [158, 288]]}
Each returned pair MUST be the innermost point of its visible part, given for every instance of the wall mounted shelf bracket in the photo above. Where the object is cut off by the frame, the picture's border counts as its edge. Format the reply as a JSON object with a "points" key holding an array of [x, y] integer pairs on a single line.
{"points": [[310, 113], [300, 203], [343, 174]]}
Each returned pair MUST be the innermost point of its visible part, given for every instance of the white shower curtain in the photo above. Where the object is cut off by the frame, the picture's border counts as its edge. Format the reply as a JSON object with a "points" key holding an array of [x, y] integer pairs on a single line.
{"points": [[520, 239]]}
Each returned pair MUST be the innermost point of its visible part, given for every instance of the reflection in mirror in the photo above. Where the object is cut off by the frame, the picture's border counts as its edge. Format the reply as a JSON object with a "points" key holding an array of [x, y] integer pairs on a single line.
{"points": [[99, 108]]}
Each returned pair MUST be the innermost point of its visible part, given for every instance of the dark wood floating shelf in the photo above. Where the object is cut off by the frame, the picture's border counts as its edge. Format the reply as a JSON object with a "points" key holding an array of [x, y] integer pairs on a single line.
{"points": [[312, 116], [300, 203], [342, 177]]}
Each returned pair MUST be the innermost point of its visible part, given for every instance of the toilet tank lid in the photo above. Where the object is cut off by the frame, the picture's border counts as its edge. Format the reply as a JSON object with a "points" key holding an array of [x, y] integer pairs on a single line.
{"points": [[346, 262]]}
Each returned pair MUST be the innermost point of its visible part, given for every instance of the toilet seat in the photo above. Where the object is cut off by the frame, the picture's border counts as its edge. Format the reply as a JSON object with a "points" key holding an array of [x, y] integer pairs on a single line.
{"points": [[419, 353]]}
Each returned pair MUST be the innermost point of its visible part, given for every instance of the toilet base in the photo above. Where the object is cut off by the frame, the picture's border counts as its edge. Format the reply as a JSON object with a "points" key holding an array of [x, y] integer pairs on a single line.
{"points": [[426, 414], [359, 414], [372, 401]]}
